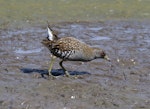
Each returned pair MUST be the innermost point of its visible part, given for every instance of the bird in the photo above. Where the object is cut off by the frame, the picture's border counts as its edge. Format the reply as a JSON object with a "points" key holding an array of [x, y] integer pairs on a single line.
{"points": [[70, 49]]}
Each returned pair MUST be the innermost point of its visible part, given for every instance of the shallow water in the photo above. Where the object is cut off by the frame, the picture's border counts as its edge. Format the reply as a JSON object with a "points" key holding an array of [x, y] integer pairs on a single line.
{"points": [[122, 83]]}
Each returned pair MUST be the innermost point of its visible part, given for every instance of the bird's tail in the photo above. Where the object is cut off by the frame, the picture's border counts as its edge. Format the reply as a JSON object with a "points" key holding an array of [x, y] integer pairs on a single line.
{"points": [[51, 35]]}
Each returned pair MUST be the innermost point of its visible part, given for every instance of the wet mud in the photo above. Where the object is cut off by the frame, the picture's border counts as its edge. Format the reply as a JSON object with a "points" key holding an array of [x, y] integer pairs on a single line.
{"points": [[123, 83]]}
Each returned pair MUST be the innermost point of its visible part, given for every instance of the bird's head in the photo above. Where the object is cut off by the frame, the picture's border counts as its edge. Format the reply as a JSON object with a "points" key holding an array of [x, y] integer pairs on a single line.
{"points": [[99, 53]]}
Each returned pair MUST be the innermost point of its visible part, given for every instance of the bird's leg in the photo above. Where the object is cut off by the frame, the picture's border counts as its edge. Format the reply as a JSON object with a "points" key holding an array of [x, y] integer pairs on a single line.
{"points": [[51, 65], [66, 72]]}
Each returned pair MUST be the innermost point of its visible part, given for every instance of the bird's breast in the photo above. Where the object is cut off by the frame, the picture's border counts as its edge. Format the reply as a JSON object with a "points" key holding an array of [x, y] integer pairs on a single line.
{"points": [[71, 55], [62, 54], [71, 49]]}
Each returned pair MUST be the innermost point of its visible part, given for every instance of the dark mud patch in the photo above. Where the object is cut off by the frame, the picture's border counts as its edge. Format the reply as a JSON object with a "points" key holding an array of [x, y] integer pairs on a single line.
{"points": [[122, 83], [54, 72]]}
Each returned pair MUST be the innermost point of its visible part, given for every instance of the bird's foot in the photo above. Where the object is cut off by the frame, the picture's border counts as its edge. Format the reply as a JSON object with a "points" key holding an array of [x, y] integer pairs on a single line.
{"points": [[67, 74], [50, 76]]}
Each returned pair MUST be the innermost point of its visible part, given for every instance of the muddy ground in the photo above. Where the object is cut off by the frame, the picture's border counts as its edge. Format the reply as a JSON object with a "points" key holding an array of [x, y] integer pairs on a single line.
{"points": [[123, 83]]}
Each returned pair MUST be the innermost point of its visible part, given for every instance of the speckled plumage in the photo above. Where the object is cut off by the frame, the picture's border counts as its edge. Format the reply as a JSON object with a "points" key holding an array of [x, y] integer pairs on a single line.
{"points": [[71, 49]]}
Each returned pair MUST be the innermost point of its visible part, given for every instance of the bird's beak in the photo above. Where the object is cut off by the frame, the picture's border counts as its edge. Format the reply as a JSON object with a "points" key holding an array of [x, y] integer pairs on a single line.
{"points": [[107, 58]]}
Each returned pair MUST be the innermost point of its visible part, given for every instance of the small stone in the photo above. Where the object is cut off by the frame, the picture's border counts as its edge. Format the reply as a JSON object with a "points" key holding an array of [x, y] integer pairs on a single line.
{"points": [[17, 57], [73, 97], [118, 60], [132, 60]]}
